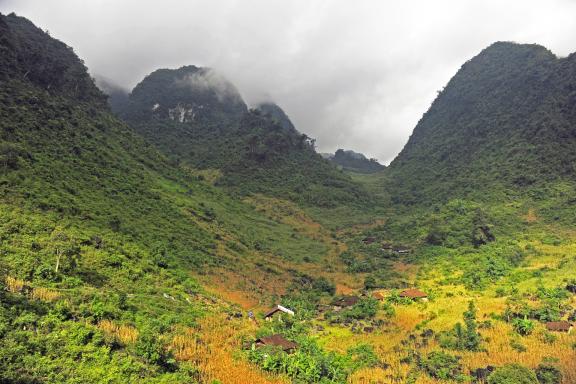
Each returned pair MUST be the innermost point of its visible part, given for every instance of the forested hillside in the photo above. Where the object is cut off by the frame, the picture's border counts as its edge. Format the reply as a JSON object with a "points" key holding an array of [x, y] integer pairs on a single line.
{"points": [[104, 238], [504, 124], [198, 119]]}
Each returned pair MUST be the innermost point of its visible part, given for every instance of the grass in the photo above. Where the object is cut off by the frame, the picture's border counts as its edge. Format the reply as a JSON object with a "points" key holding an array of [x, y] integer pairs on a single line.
{"points": [[555, 265], [213, 348]]}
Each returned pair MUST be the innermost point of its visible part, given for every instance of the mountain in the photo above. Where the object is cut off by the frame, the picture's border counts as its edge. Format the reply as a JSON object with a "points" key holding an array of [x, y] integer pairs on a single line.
{"points": [[198, 119], [104, 240], [185, 95], [504, 124], [276, 114], [354, 161]]}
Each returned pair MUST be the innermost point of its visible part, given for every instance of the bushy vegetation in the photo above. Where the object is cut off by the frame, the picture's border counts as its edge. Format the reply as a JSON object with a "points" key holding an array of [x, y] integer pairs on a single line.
{"points": [[548, 373], [464, 338], [512, 374], [442, 366]]}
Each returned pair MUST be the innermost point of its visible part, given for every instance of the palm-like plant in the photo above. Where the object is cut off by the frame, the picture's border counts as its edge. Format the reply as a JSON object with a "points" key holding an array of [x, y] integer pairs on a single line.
{"points": [[523, 326]]}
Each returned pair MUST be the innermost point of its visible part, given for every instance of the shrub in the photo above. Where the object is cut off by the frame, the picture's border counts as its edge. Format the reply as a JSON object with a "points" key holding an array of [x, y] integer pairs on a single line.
{"points": [[366, 308], [523, 326], [442, 366], [548, 337], [512, 374], [517, 346], [363, 355], [548, 374], [322, 284], [151, 349], [309, 364], [466, 337]]}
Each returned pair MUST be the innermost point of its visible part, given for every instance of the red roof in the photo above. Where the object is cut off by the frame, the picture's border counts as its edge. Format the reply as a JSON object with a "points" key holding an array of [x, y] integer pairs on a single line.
{"points": [[413, 294], [562, 326], [276, 340]]}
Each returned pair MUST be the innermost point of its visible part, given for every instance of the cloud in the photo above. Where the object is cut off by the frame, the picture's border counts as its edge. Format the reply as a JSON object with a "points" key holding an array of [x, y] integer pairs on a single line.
{"points": [[357, 75], [211, 81]]}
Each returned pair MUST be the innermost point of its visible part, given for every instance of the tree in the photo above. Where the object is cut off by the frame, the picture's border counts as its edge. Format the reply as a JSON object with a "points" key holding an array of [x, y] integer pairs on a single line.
{"points": [[523, 326], [472, 337], [152, 350], [481, 232], [512, 374], [66, 250], [465, 338]]}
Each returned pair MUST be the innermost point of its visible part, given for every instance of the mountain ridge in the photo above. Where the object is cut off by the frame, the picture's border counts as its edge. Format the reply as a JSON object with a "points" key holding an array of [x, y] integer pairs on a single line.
{"points": [[480, 130], [257, 151]]}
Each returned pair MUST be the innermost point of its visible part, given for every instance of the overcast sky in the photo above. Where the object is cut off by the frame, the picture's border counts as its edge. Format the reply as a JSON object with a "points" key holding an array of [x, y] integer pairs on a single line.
{"points": [[353, 74]]}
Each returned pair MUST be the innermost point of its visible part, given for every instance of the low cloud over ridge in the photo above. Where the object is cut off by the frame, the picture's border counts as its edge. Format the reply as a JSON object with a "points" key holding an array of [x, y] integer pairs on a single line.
{"points": [[354, 75]]}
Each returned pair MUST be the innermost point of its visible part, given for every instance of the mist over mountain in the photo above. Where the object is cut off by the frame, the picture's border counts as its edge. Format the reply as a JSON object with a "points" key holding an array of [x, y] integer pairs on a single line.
{"points": [[197, 117]]}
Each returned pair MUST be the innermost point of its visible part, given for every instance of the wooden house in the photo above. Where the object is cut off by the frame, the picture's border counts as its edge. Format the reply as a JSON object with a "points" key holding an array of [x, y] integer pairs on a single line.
{"points": [[278, 309], [414, 294], [559, 326], [276, 341], [344, 302]]}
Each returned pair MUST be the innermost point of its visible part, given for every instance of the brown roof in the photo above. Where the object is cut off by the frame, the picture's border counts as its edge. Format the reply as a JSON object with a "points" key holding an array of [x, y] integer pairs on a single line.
{"points": [[276, 340], [368, 240], [413, 293], [558, 326], [346, 301], [377, 295]]}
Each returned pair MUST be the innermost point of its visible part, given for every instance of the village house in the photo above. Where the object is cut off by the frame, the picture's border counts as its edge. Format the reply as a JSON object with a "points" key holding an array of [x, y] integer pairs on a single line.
{"points": [[276, 341], [377, 296], [414, 294], [386, 247], [559, 326], [368, 240], [278, 310], [344, 302]]}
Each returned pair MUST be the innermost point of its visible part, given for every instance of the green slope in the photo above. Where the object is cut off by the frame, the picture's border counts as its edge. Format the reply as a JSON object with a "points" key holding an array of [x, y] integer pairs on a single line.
{"points": [[99, 226], [504, 124], [197, 118]]}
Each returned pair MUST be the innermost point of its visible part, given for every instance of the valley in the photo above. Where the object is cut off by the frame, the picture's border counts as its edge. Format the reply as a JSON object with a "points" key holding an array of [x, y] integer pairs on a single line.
{"points": [[145, 238]]}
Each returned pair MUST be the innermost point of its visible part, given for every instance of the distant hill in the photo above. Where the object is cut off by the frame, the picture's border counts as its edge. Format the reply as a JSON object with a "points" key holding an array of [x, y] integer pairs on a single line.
{"points": [[354, 161], [198, 119], [505, 123]]}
